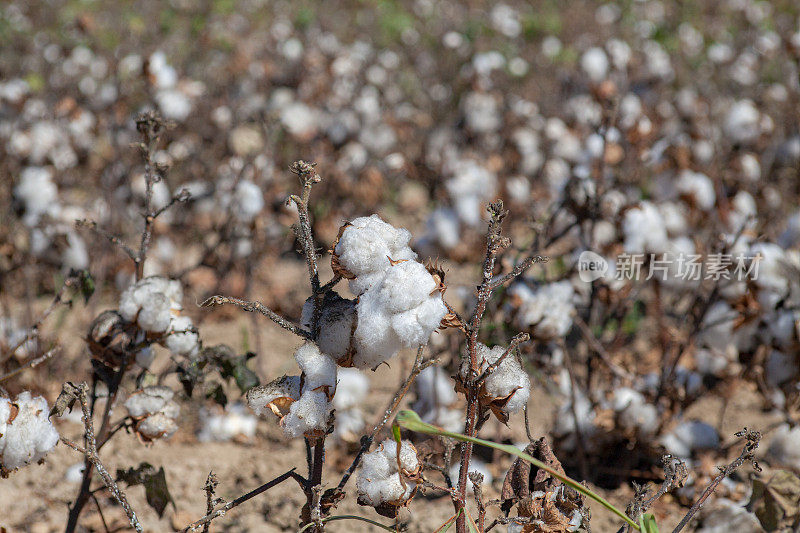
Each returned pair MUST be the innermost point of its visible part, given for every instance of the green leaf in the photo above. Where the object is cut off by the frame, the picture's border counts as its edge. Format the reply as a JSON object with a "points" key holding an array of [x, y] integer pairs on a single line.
{"points": [[396, 433], [647, 523], [410, 420], [447, 525], [155, 485], [348, 517], [87, 285]]}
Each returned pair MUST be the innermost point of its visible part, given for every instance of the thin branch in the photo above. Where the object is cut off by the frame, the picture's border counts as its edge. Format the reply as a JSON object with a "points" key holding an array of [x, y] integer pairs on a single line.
{"points": [[241, 499], [594, 343], [30, 364], [519, 270], [258, 307], [90, 453], [209, 488], [518, 339], [113, 239], [366, 440], [747, 455]]}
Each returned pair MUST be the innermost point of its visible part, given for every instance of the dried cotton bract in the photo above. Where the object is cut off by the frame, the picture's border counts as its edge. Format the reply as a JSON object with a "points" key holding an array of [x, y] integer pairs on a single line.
{"points": [[26, 434], [154, 411], [381, 484]]}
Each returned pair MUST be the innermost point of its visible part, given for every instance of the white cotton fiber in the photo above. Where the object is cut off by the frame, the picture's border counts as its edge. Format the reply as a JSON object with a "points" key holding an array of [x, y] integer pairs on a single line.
{"points": [[157, 426], [433, 387], [182, 338], [690, 436], [476, 466], [698, 188], [248, 201], [507, 379], [37, 192], [349, 425], [278, 394], [644, 229], [351, 389], [29, 436], [151, 303], [470, 186], [785, 446], [366, 246], [547, 310], [155, 412], [308, 415], [633, 411], [335, 323], [319, 370], [149, 400], [594, 63], [222, 426], [378, 481]]}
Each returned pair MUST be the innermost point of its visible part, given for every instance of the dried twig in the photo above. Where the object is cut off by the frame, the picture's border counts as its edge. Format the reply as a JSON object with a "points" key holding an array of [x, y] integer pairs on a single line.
{"points": [[752, 438], [209, 488], [258, 307], [90, 452], [30, 364]]}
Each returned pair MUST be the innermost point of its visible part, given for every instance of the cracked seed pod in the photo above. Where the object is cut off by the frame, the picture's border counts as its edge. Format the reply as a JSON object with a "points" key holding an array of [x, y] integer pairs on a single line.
{"points": [[26, 433], [505, 390], [549, 505], [337, 323], [277, 396], [386, 482], [110, 337], [154, 412]]}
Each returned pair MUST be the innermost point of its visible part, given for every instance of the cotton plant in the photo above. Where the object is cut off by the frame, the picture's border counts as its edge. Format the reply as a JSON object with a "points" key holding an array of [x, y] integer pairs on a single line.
{"points": [[154, 412], [389, 477], [506, 387], [26, 433], [546, 310]]}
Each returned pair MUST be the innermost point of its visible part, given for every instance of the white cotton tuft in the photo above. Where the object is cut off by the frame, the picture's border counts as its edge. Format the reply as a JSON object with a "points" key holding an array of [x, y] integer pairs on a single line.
{"points": [[689, 437], [151, 303], [366, 246], [698, 188], [349, 425], [444, 228], [402, 310], [37, 192], [436, 399], [248, 201], [222, 426], [742, 123], [594, 63], [182, 338], [785, 446], [547, 310], [477, 466], [335, 323], [29, 436], [319, 370], [155, 412], [645, 229], [307, 416], [351, 389], [378, 481], [508, 379], [470, 186], [633, 411]]}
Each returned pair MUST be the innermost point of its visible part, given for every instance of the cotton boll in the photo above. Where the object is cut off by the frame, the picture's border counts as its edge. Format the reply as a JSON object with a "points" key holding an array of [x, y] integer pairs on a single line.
{"points": [[434, 388], [470, 186], [151, 302], [689, 437], [771, 267], [548, 309], [151, 400], [785, 446], [37, 192], [307, 416], [644, 229], [374, 338], [507, 379], [780, 367], [697, 188], [248, 200], [232, 423], [742, 123], [366, 245], [726, 516], [443, 228], [378, 480], [594, 63], [405, 286], [164, 75], [29, 436], [633, 411], [75, 256], [319, 370], [182, 338], [481, 112], [276, 396], [174, 104], [349, 425], [157, 426], [351, 389], [300, 120], [74, 473], [335, 323]]}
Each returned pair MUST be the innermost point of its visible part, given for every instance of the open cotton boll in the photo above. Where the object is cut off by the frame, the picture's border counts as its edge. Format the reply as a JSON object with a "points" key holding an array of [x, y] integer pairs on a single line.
{"points": [[405, 286], [698, 188], [470, 186], [29, 436], [365, 248], [74, 473], [37, 192], [434, 388], [174, 104], [351, 389], [785, 446], [222, 426], [374, 338], [725, 516], [155, 412], [378, 481], [742, 123], [335, 323], [443, 227], [349, 425], [319, 370], [248, 201], [307, 416], [772, 269], [508, 379], [689, 437], [157, 426], [151, 302], [149, 400], [182, 338], [276, 395], [644, 229], [481, 113], [547, 310], [594, 63], [633, 411]]}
